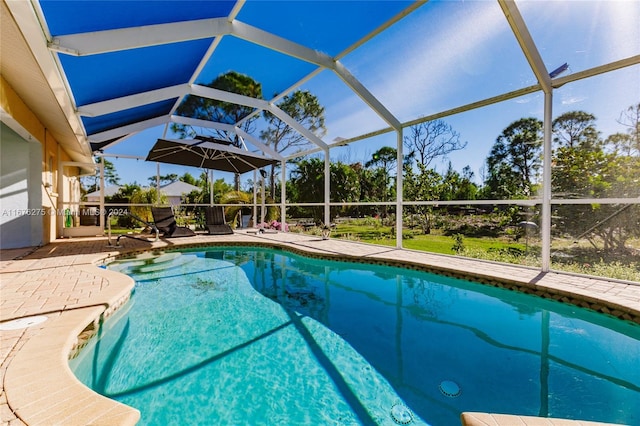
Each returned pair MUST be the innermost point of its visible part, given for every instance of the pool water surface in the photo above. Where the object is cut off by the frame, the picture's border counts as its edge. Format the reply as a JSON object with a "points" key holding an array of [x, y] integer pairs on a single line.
{"points": [[257, 336]]}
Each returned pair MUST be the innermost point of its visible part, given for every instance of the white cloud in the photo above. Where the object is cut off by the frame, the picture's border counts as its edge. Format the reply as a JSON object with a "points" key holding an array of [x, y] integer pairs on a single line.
{"points": [[573, 100]]}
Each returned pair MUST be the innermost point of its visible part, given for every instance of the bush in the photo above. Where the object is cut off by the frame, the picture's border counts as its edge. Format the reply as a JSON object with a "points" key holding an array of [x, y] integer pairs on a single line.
{"points": [[458, 244]]}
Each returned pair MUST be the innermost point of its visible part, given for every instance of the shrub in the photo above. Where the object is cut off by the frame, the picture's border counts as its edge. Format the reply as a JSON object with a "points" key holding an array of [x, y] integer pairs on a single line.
{"points": [[458, 243]]}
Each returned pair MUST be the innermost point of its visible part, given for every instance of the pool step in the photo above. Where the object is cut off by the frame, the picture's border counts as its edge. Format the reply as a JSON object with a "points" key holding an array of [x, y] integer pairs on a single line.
{"points": [[166, 264], [147, 265]]}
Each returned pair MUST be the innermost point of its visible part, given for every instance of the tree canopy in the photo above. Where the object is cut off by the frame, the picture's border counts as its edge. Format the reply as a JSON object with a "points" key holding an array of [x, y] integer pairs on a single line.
{"points": [[218, 111], [92, 183], [432, 139], [514, 160], [305, 108]]}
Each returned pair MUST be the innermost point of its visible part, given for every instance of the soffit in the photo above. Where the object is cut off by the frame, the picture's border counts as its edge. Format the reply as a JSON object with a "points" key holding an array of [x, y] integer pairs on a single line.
{"points": [[21, 71]]}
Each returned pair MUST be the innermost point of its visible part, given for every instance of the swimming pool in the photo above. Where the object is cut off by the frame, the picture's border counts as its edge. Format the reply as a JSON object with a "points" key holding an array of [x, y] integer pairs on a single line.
{"points": [[258, 336]]}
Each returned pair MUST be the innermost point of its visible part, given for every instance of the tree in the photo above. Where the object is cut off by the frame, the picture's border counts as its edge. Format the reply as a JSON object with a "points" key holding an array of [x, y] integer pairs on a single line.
{"points": [[110, 175], [243, 199], [188, 178], [628, 143], [569, 178], [164, 179], [203, 196], [221, 112], [424, 185], [385, 159], [146, 196], [514, 160], [303, 107], [432, 139], [308, 178], [590, 169], [456, 186], [123, 197], [609, 175], [575, 129], [203, 181]]}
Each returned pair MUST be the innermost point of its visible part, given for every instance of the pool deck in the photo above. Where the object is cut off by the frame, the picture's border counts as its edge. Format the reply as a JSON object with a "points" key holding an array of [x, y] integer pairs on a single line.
{"points": [[62, 282]]}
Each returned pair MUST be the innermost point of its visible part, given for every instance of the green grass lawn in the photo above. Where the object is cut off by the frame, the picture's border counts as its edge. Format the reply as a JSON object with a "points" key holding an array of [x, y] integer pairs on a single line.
{"points": [[501, 249], [433, 243]]}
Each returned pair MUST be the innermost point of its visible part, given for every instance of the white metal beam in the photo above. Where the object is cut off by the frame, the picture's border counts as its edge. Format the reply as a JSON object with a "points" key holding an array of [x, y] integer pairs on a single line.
{"points": [[520, 30], [259, 144], [403, 13], [233, 98], [410, 9], [96, 42], [399, 187], [327, 188], [131, 157], [534, 58], [212, 48], [133, 101], [187, 121], [285, 92], [125, 130], [236, 10], [227, 128], [366, 96], [118, 140], [453, 111], [283, 197], [273, 42], [634, 60], [612, 66], [545, 218], [261, 104], [296, 126]]}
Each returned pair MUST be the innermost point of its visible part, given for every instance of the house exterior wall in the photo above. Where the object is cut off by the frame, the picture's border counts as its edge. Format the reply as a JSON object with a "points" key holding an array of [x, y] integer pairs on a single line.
{"points": [[21, 215], [174, 200], [30, 176]]}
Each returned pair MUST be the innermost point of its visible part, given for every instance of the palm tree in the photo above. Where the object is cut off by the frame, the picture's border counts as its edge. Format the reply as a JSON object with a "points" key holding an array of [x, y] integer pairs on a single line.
{"points": [[243, 199], [146, 196]]}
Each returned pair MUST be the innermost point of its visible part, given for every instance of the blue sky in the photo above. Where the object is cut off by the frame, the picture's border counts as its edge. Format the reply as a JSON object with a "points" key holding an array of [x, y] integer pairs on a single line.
{"points": [[444, 55]]}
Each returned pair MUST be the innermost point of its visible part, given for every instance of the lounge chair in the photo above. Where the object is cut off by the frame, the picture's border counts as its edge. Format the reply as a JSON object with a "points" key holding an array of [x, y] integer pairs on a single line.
{"points": [[216, 222], [165, 221]]}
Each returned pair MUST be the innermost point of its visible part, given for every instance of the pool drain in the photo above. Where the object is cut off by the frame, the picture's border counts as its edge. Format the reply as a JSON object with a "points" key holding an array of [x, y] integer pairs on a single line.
{"points": [[20, 323], [401, 414], [449, 388]]}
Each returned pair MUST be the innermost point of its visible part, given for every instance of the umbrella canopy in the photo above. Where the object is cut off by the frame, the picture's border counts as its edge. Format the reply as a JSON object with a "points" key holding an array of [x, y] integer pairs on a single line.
{"points": [[206, 155]]}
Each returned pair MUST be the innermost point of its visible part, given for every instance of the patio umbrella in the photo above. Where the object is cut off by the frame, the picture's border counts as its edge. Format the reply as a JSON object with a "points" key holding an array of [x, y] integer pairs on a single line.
{"points": [[207, 155]]}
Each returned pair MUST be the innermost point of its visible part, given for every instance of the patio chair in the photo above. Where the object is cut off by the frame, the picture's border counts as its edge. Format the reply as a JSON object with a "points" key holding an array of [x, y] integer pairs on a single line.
{"points": [[216, 222], [165, 221]]}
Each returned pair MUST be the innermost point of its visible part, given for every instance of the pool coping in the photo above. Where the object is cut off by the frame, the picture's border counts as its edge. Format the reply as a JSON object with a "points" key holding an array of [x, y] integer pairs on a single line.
{"points": [[42, 360], [491, 419]]}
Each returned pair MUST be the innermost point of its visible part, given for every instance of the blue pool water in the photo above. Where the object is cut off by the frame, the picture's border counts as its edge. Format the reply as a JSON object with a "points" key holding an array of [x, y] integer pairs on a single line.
{"points": [[243, 336]]}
